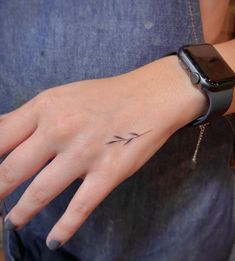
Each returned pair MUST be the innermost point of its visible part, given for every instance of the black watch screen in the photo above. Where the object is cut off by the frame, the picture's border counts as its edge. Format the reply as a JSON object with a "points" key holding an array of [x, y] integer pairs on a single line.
{"points": [[209, 63]]}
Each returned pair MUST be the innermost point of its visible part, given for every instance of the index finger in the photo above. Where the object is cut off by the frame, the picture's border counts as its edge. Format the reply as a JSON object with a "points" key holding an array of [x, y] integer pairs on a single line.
{"points": [[16, 126]]}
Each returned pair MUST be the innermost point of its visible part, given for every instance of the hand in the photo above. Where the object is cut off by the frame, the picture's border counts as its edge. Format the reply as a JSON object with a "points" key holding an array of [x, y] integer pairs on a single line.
{"points": [[101, 131]]}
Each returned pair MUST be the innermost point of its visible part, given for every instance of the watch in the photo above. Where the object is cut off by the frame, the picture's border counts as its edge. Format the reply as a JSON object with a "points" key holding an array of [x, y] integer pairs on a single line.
{"points": [[208, 70]]}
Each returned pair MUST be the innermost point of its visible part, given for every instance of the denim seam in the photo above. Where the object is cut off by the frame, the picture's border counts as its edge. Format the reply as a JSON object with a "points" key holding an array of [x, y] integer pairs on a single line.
{"points": [[192, 21]]}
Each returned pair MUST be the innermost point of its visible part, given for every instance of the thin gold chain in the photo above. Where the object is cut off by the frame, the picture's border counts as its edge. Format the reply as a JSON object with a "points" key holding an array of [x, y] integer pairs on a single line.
{"points": [[202, 128]]}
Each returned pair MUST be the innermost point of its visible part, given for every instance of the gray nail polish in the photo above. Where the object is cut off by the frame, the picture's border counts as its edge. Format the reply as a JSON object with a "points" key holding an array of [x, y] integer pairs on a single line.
{"points": [[53, 244], [9, 225]]}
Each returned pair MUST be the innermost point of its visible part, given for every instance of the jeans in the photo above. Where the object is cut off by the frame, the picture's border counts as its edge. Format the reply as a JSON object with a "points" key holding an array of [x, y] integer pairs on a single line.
{"points": [[170, 209]]}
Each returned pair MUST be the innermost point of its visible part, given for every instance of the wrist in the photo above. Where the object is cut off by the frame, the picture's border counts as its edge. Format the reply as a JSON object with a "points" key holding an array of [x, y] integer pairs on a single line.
{"points": [[173, 97], [190, 101]]}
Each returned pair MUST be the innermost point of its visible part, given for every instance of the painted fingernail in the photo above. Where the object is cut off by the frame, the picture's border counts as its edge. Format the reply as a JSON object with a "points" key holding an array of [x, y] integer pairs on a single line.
{"points": [[9, 225], [53, 244]]}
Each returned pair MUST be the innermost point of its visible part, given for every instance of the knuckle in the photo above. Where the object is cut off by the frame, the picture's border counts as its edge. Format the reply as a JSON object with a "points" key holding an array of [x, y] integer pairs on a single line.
{"points": [[46, 99], [80, 209], [68, 228], [77, 155], [61, 131], [6, 174], [56, 132], [37, 195], [46, 133], [108, 167]]}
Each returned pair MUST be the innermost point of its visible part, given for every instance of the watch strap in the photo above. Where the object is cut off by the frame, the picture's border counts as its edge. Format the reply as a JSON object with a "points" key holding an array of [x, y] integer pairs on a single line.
{"points": [[218, 104]]}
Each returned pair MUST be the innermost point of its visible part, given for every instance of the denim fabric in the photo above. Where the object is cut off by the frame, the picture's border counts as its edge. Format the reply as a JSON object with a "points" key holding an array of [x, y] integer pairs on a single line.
{"points": [[168, 210]]}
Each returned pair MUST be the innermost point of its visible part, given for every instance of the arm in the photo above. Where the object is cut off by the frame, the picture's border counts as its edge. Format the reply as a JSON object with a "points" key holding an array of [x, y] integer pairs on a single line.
{"points": [[101, 131]]}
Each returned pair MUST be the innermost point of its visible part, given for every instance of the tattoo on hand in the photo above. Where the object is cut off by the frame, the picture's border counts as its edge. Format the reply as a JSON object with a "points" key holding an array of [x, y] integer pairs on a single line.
{"points": [[127, 140]]}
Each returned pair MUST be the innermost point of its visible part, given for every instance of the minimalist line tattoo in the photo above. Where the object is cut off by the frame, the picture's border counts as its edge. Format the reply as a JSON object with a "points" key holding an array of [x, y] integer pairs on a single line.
{"points": [[127, 140]]}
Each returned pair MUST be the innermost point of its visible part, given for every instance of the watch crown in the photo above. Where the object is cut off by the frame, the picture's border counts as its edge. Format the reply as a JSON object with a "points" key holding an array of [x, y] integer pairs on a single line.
{"points": [[195, 78]]}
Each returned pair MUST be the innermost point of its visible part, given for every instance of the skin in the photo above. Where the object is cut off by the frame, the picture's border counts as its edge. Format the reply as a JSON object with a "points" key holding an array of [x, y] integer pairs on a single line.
{"points": [[73, 125], [212, 24]]}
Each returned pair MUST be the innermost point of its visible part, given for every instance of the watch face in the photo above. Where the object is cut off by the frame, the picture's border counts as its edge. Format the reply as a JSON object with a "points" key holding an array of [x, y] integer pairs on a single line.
{"points": [[209, 63]]}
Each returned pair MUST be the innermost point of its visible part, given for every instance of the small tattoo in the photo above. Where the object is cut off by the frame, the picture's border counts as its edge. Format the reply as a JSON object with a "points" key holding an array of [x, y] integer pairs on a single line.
{"points": [[127, 140]]}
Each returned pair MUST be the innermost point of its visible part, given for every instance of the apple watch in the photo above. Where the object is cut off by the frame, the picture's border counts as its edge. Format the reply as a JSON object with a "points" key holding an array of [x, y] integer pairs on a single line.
{"points": [[208, 70]]}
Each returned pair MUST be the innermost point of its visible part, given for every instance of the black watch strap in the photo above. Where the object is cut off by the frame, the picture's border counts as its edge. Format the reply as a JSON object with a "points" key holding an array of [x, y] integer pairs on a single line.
{"points": [[219, 103]]}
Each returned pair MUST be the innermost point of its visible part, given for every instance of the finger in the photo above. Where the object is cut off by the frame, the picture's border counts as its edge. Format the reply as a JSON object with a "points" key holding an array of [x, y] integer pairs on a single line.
{"points": [[23, 162], [49, 183], [91, 192], [16, 126], [4, 115]]}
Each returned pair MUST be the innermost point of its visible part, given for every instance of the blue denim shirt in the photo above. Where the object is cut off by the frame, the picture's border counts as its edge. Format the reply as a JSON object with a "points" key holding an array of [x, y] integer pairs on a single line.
{"points": [[168, 210]]}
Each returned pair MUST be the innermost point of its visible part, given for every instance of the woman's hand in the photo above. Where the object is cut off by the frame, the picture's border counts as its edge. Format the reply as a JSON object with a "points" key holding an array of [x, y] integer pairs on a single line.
{"points": [[101, 131]]}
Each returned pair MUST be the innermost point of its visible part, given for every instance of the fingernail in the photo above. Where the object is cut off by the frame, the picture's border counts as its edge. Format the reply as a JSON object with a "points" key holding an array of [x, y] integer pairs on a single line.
{"points": [[9, 225], [53, 244]]}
